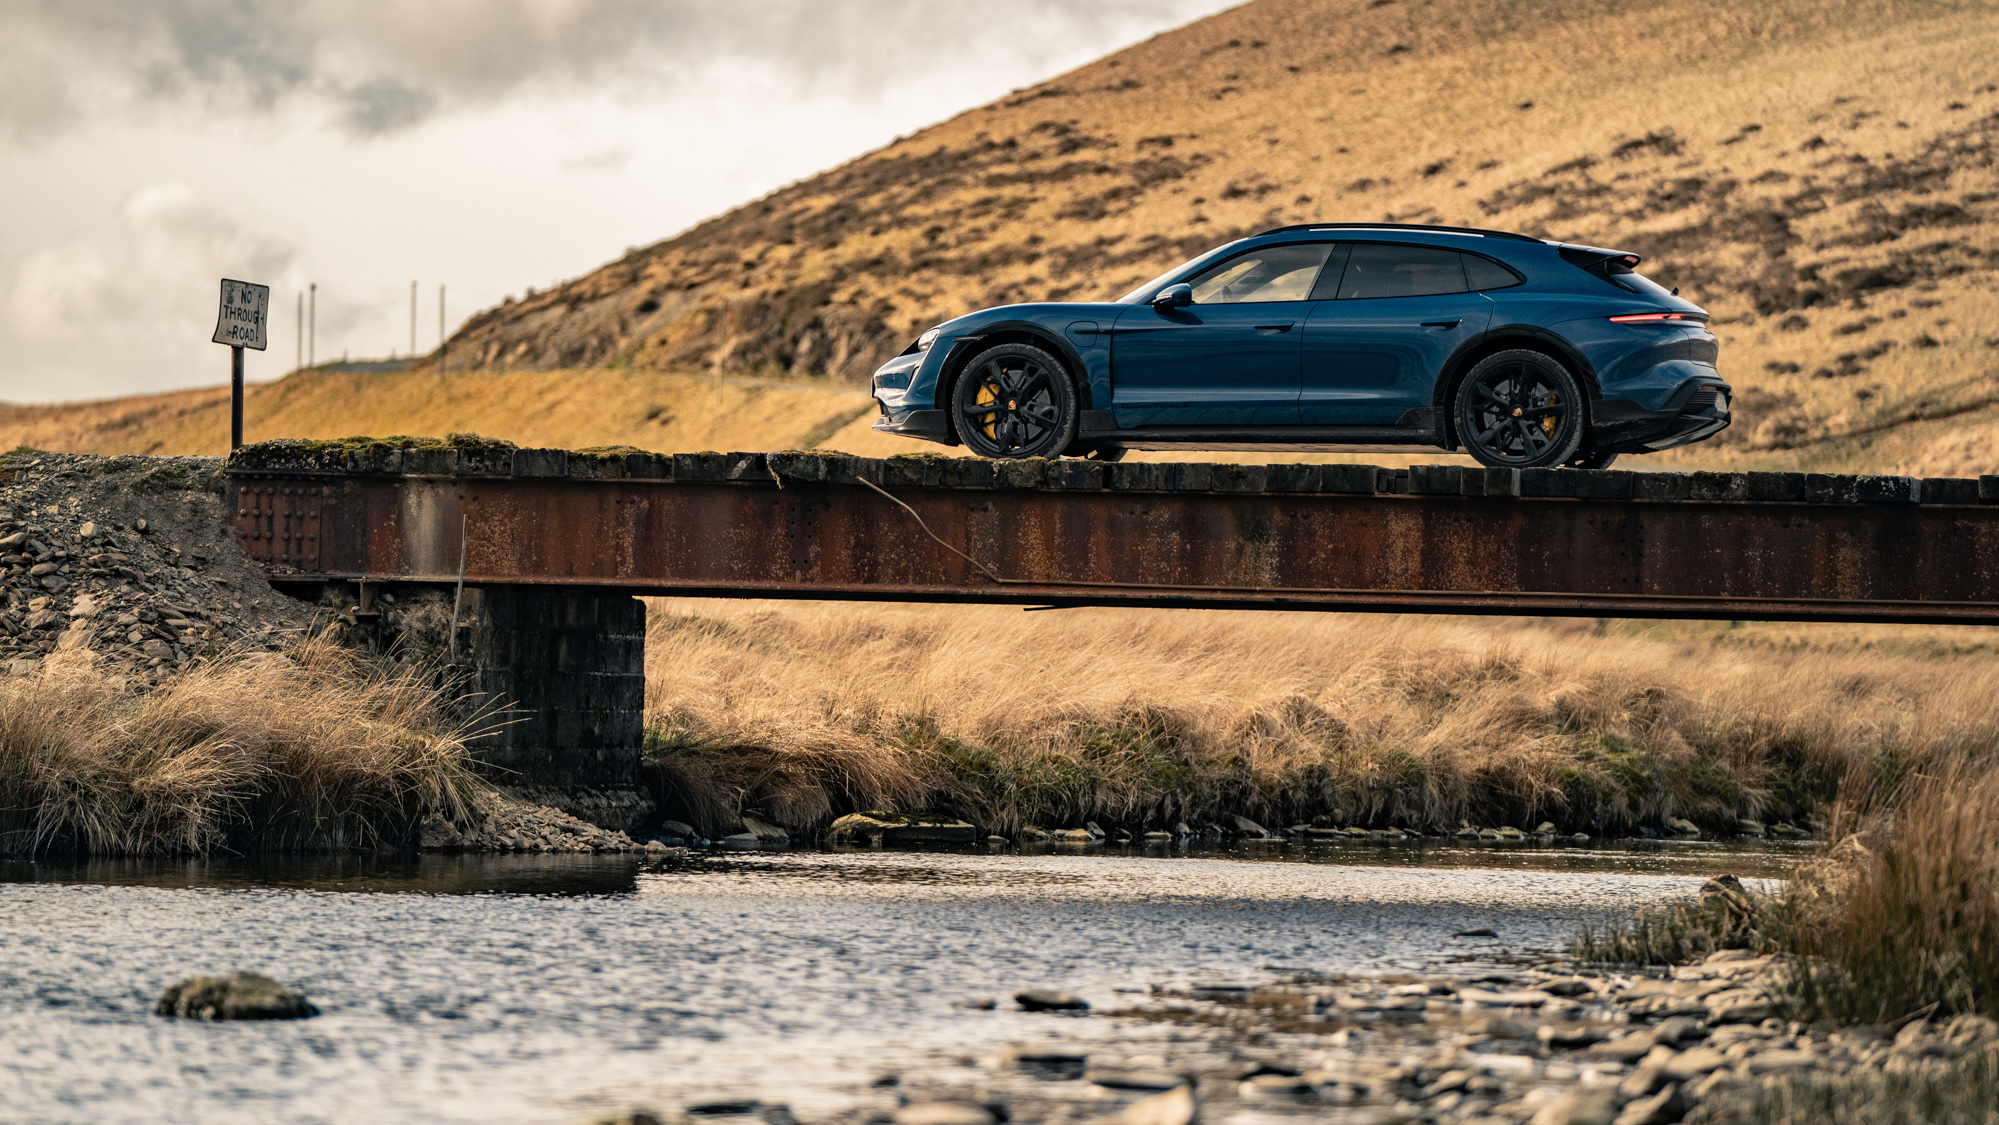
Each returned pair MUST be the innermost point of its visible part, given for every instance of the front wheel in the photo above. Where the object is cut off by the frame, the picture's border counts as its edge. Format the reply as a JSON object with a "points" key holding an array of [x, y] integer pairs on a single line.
{"points": [[1013, 401], [1520, 410]]}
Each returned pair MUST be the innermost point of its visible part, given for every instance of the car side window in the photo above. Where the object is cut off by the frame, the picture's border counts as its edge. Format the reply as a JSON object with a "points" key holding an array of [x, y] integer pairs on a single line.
{"points": [[1378, 269], [1484, 273], [1272, 273]]}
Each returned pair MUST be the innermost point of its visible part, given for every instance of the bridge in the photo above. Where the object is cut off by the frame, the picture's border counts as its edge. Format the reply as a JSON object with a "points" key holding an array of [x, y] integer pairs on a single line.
{"points": [[552, 546]]}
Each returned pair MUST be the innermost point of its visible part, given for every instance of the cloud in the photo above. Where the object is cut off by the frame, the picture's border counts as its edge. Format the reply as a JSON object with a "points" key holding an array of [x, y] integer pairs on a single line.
{"points": [[373, 67], [143, 295]]}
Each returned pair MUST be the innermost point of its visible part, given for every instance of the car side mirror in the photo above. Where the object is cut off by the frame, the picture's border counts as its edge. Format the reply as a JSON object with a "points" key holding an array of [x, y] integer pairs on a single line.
{"points": [[1174, 297]]}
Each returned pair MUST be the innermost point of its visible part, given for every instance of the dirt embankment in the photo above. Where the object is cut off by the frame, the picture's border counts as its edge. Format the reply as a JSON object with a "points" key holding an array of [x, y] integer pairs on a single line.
{"points": [[129, 558]]}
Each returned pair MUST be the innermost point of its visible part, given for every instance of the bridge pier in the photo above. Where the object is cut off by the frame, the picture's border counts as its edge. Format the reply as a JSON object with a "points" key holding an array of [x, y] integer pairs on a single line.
{"points": [[570, 666]]}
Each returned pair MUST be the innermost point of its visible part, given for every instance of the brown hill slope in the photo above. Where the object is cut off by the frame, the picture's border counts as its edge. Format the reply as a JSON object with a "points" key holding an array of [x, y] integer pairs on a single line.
{"points": [[1820, 174]]}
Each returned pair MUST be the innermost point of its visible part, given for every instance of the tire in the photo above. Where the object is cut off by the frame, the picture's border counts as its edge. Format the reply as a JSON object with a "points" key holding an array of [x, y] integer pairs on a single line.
{"points": [[1013, 401], [1590, 459], [1520, 409]]}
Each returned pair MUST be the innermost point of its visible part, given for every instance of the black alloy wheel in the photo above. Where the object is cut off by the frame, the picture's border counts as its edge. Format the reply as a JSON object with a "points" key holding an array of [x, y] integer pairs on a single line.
{"points": [[1520, 410], [1015, 400]]}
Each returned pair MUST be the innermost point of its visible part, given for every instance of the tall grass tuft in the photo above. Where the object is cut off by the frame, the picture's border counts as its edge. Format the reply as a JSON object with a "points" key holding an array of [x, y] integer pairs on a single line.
{"points": [[1145, 717], [1900, 919], [312, 747]]}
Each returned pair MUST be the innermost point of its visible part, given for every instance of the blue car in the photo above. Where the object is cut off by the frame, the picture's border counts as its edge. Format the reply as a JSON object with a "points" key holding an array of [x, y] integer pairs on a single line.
{"points": [[1332, 336]]}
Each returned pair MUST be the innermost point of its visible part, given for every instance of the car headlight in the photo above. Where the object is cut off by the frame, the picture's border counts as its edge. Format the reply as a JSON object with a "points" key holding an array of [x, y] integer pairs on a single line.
{"points": [[924, 341]]}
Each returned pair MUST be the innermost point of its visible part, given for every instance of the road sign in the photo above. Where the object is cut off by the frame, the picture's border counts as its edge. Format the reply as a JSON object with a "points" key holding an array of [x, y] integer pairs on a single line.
{"points": [[245, 308]]}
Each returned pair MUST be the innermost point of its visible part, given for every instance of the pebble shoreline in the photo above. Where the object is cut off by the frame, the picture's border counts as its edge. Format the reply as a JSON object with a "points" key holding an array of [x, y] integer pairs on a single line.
{"points": [[1550, 1042]]}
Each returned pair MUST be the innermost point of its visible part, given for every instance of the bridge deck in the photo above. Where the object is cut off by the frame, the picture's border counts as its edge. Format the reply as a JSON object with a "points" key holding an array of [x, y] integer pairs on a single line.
{"points": [[1778, 546]]}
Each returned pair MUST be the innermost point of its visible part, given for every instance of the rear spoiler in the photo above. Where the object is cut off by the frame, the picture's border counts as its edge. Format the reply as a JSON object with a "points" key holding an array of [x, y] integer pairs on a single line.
{"points": [[1597, 260]]}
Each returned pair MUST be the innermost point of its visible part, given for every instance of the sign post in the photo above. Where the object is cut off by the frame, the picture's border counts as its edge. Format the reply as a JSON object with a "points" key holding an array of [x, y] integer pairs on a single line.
{"points": [[240, 324]]}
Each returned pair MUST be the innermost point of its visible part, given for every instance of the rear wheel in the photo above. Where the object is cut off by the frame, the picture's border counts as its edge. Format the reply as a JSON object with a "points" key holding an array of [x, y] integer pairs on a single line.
{"points": [[1015, 400], [1521, 410]]}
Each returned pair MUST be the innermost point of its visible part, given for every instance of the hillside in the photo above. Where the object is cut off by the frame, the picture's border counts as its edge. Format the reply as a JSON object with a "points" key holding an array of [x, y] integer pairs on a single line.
{"points": [[1819, 174]]}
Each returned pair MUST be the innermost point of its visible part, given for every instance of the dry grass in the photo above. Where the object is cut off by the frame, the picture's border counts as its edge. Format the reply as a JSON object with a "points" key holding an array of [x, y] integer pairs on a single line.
{"points": [[313, 748], [800, 711], [564, 409], [1900, 919]]}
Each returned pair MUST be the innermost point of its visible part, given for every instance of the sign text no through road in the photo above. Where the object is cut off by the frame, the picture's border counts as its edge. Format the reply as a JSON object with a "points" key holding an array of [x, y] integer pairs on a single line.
{"points": [[245, 308]]}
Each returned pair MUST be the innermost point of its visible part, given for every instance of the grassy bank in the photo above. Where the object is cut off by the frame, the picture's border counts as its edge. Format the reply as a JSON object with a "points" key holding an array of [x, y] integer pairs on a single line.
{"points": [[312, 748], [798, 712]]}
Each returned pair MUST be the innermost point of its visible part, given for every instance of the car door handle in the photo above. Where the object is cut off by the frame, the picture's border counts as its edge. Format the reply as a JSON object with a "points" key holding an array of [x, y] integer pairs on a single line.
{"points": [[1440, 324], [1284, 327]]}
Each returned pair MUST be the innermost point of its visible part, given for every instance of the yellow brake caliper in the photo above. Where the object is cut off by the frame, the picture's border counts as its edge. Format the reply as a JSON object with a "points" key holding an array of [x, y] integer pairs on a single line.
{"points": [[988, 393], [1548, 420]]}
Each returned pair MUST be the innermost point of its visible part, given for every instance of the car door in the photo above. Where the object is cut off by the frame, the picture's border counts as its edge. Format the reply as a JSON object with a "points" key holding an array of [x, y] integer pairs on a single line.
{"points": [[1372, 352], [1228, 359]]}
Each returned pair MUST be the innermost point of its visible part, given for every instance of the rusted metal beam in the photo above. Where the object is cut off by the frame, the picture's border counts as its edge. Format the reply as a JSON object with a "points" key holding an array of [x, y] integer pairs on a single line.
{"points": [[1433, 539]]}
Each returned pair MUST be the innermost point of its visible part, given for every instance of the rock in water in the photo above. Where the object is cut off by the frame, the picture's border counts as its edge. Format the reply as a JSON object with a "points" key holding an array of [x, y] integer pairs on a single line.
{"points": [[1038, 1000], [240, 996]]}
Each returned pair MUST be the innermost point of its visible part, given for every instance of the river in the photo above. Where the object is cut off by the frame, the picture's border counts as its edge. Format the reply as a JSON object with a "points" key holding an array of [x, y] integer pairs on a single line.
{"points": [[561, 990]]}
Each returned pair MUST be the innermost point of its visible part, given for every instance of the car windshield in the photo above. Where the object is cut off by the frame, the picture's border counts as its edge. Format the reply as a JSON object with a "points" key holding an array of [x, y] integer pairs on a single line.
{"points": [[1150, 287]]}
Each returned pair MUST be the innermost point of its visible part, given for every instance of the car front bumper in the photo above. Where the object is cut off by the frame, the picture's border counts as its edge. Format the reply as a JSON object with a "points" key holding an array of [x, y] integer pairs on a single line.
{"points": [[930, 425]]}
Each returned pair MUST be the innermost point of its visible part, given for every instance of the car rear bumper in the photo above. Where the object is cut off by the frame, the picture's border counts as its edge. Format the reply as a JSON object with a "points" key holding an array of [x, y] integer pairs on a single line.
{"points": [[1698, 410]]}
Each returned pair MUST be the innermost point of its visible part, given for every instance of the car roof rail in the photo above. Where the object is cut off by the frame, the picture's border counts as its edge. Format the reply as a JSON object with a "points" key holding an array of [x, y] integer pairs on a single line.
{"points": [[1507, 234]]}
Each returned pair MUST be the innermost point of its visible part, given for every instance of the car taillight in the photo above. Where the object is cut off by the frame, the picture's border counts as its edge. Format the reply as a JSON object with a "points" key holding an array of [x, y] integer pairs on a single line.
{"points": [[1648, 318]]}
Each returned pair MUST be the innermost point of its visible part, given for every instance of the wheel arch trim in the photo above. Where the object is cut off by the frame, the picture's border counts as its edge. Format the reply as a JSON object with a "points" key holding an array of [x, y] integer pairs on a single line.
{"points": [[1443, 394]]}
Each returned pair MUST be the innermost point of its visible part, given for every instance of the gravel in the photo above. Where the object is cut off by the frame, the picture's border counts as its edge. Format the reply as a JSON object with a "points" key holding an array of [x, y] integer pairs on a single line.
{"points": [[130, 558]]}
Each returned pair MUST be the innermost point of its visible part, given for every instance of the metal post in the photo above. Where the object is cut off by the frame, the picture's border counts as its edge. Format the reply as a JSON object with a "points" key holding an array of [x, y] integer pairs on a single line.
{"points": [[235, 399], [441, 357], [312, 328]]}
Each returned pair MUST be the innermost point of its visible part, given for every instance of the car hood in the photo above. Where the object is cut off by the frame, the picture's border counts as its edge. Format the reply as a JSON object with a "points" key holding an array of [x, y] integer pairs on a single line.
{"points": [[1051, 313]]}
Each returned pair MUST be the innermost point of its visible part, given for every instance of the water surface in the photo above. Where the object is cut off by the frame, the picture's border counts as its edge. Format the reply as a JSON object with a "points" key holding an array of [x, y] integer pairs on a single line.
{"points": [[557, 988]]}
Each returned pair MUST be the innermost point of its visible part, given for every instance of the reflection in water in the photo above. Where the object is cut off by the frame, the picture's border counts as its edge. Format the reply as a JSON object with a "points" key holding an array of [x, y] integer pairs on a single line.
{"points": [[603, 875], [553, 989]]}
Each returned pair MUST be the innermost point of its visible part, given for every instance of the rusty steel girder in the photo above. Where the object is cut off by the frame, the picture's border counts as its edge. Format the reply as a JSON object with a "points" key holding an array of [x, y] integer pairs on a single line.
{"points": [[1731, 546]]}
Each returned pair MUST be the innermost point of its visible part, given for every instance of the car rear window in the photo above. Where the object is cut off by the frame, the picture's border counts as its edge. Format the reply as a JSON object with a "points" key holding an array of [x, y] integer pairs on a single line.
{"points": [[1377, 269], [1271, 273]]}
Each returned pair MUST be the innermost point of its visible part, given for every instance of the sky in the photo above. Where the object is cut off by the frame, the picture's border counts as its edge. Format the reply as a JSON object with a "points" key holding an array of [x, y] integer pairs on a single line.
{"points": [[149, 149]]}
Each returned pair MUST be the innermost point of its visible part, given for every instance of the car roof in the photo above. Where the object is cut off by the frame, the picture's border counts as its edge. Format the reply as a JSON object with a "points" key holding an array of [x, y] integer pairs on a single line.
{"points": [[1401, 228]]}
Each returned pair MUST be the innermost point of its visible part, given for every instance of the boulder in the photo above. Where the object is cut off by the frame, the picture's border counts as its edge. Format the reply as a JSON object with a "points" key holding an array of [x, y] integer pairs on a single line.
{"points": [[239, 996], [873, 828], [1680, 826], [1252, 830]]}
